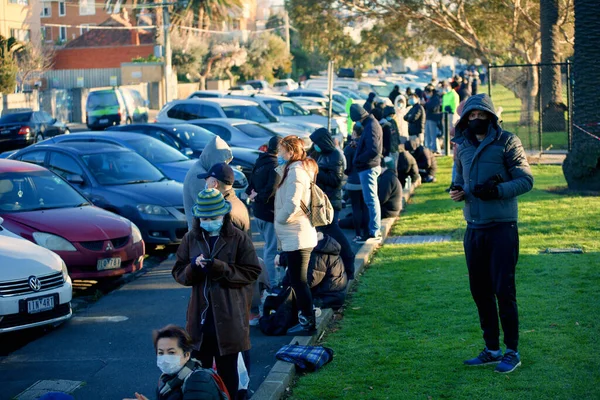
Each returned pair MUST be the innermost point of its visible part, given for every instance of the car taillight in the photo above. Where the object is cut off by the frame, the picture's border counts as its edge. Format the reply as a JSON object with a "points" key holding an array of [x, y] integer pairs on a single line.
{"points": [[25, 130]]}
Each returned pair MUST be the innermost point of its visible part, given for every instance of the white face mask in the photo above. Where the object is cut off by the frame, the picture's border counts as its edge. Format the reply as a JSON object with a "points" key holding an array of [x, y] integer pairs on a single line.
{"points": [[169, 364]]}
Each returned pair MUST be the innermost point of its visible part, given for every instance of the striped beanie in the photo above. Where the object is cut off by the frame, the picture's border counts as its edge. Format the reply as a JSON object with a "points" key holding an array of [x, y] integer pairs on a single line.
{"points": [[210, 203]]}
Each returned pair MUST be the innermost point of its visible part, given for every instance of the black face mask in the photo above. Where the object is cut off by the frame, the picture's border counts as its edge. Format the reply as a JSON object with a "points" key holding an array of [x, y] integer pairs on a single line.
{"points": [[479, 126]]}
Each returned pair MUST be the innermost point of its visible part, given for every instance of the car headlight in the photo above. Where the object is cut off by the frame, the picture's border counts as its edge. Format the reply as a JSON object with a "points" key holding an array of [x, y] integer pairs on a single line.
{"points": [[152, 209], [65, 272], [135, 233], [53, 242]]}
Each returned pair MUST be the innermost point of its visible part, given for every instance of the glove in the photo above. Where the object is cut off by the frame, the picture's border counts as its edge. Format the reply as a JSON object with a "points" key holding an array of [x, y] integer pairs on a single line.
{"points": [[489, 190]]}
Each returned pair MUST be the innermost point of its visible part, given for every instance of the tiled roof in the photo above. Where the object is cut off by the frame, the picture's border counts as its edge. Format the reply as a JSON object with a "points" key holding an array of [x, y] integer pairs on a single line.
{"points": [[112, 37]]}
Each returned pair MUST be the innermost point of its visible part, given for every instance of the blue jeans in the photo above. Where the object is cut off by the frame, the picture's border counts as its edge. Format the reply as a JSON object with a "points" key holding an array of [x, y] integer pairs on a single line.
{"points": [[368, 180], [431, 139], [267, 229]]}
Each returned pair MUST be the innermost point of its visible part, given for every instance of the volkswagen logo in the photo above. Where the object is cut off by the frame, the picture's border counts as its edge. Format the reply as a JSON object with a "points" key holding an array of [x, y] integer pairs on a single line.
{"points": [[109, 247], [35, 284]]}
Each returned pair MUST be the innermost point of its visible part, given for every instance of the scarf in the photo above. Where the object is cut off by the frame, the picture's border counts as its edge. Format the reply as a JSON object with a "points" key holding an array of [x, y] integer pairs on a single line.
{"points": [[168, 383]]}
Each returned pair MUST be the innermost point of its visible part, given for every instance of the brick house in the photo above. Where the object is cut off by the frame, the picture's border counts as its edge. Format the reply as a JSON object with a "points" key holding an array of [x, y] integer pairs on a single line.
{"points": [[106, 48]]}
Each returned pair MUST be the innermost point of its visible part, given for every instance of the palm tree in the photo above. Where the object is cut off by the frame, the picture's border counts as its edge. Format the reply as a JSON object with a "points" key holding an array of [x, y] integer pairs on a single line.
{"points": [[582, 165]]}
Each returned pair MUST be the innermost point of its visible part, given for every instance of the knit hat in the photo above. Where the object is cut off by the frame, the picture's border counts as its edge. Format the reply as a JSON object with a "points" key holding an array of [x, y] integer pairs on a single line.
{"points": [[357, 113], [210, 203], [389, 110], [273, 143]]}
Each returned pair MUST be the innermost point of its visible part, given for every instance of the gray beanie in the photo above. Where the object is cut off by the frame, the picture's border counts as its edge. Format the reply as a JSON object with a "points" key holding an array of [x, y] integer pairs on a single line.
{"points": [[357, 113]]}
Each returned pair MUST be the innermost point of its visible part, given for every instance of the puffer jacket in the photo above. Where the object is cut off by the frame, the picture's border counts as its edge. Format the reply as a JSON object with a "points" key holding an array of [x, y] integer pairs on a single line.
{"points": [[216, 151], [292, 226], [235, 268], [407, 166], [331, 167], [500, 153], [369, 146], [425, 158], [389, 193], [416, 120], [264, 181]]}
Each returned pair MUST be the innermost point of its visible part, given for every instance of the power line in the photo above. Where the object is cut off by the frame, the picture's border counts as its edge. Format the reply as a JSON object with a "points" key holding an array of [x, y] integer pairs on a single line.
{"points": [[146, 27]]}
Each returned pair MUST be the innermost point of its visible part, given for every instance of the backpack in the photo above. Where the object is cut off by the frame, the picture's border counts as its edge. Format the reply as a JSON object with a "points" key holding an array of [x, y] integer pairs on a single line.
{"points": [[320, 212], [205, 384]]}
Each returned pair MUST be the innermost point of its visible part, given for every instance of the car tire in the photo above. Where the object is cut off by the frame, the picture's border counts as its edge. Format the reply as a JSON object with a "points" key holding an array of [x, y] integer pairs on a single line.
{"points": [[39, 137]]}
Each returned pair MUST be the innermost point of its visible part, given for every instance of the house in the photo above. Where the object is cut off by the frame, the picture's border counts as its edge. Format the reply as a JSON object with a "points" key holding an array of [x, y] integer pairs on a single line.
{"points": [[20, 19], [106, 47]]}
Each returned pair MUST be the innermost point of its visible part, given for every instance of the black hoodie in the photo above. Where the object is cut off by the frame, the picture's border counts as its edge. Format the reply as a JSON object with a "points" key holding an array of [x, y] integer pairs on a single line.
{"points": [[264, 181], [368, 106], [331, 167], [389, 192]]}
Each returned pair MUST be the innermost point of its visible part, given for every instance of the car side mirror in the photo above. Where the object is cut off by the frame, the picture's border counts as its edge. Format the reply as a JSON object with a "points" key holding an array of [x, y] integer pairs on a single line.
{"points": [[187, 151], [75, 179]]}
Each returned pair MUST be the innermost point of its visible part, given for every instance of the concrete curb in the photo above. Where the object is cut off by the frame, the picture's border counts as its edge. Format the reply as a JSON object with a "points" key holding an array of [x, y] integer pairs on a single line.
{"points": [[282, 373]]}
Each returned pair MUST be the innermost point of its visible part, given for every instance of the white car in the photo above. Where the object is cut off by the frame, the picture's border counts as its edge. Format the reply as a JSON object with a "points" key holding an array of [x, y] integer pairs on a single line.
{"points": [[285, 85], [35, 288]]}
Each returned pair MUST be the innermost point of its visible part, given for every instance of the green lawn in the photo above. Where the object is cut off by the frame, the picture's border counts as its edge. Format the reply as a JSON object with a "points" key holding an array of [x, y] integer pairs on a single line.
{"points": [[411, 320]]}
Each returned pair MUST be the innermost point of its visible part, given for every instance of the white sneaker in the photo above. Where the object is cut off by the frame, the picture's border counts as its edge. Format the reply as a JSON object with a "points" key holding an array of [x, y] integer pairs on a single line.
{"points": [[317, 312]]}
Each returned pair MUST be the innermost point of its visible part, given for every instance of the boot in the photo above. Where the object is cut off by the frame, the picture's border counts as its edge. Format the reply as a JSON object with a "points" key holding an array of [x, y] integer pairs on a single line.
{"points": [[306, 327]]}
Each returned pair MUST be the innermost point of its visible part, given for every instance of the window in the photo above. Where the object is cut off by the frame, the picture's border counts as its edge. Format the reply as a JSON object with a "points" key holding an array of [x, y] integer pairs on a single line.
{"points": [[64, 165], [220, 131], [22, 35], [83, 28], [46, 9], [253, 113], [255, 130], [46, 32], [87, 7], [21, 2], [34, 157], [62, 33], [185, 111], [62, 9], [43, 117]]}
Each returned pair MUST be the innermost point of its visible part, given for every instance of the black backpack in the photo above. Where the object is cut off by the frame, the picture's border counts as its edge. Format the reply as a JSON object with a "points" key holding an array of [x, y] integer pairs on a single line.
{"points": [[279, 313]]}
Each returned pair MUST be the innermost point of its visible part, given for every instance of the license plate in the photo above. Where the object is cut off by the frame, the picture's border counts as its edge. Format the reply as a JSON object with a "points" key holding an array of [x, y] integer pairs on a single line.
{"points": [[5, 132], [40, 304], [109, 263], [104, 121]]}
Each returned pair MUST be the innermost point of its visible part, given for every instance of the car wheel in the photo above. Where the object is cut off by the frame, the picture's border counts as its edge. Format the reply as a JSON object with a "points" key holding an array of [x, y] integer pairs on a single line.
{"points": [[39, 137]]}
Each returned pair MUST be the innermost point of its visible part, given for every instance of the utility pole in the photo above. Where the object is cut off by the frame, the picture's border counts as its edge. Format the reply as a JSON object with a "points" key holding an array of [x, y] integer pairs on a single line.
{"points": [[287, 36], [168, 63]]}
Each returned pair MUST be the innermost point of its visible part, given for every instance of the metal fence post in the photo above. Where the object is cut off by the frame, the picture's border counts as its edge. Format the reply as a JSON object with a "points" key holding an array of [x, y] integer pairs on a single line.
{"points": [[490, 80], [540, 111]]}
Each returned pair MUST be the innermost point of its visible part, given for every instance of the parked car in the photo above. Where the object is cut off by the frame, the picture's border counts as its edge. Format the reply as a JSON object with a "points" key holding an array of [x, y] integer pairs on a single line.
{"points": [[356, 96], [261, 86], [285, 85], [191, 140], [117, 106], [118, 180], [171, 162], [35, 203], [35, 288], [337, 96], [186, 110], [20, 129]]}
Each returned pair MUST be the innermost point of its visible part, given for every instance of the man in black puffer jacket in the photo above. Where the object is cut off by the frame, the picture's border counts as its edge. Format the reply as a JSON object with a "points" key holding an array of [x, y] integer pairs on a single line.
{"points": [[390, 190], [425, 160], [261, 190], [329, 179], [407, 167]]}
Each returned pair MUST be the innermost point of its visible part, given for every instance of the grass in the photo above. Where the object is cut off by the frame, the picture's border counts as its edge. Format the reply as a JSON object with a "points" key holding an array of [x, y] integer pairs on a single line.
{"points": [[411, 320]]}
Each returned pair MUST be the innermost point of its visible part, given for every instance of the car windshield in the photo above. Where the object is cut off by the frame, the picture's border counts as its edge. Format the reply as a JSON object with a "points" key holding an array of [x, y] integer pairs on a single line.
{"points": [[98, 100], [155, 151], [255, 130], [349, 93], [17, 117], [252, 113], [285, 108], [193, 136], [382, 91], [121, 168], [39, 190]]}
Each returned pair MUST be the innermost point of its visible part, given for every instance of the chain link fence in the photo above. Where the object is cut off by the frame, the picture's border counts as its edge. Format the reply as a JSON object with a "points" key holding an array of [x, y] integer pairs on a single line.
{"points": [[535, 100]]}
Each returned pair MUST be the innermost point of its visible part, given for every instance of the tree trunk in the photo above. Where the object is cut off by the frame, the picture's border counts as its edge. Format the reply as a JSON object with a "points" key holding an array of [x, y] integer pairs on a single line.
{"points": [[202, 82], [582, 165], [552, 102]]}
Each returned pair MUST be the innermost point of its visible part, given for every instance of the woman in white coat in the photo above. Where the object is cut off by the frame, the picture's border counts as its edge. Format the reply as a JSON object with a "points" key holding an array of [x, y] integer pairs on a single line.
{"points": [[296, 235]]}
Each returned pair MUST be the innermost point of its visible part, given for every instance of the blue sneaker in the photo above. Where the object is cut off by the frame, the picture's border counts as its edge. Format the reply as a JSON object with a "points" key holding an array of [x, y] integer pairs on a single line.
{"points": [[509, 363], [486, 357]]}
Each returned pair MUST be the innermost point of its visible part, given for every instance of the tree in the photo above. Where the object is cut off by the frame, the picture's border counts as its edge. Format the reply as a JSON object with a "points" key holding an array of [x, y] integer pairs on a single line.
{"points": [[267, 56], [9, 48], [582, 165], [33, 60], [221, 57]]}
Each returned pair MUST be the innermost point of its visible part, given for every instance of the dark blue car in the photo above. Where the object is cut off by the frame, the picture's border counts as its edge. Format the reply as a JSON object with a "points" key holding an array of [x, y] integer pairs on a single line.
{"points": [[119, 180], [171, 162]]}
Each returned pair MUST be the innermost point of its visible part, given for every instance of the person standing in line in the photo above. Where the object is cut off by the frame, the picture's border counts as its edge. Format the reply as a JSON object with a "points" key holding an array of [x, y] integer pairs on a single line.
{"points": [[329, 179], [389, 113], [261, 190], [368, 106], [296, 235], [433, 111], [218, 261], [394, 93], [416, 119], [354, 188], [492, 170], [367, 161]]}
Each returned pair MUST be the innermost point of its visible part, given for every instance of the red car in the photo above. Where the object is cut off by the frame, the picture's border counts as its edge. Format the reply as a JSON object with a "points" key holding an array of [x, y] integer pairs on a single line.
{"points": [[43, 208]]}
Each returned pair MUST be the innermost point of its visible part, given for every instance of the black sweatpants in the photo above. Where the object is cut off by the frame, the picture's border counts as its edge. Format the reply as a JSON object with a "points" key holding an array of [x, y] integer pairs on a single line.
{"points": [[297, 263], [360, 214], [492, 255], [226, 365]]}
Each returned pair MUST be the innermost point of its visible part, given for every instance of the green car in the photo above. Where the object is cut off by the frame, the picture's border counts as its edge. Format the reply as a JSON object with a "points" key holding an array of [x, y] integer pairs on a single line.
{"points": [[117, 106]]}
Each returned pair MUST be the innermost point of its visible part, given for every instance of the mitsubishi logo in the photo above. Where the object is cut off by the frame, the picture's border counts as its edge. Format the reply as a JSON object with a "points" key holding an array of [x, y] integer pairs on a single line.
{"points": [[35, 284], [109, 247]]}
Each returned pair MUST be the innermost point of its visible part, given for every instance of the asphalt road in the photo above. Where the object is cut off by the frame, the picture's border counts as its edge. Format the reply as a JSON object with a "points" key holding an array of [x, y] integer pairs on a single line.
{"points": [[107, 346]]}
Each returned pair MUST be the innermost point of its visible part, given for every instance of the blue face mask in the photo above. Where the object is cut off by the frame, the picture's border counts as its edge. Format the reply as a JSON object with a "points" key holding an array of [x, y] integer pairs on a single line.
{"points": [[412, 102], [358, 124], [212, 226], [317, 148], [281, 160], [389, 118]]}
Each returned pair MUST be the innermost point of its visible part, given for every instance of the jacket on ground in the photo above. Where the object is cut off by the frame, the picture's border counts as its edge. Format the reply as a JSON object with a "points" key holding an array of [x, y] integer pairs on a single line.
{"points": [[500, 153], [216, 151], [225, 283], [331, 167]]}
